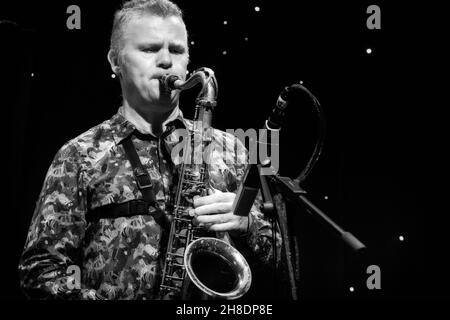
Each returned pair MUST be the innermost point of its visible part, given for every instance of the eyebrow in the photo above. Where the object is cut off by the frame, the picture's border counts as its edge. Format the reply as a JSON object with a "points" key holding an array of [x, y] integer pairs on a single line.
{"points": [[172, 45]]}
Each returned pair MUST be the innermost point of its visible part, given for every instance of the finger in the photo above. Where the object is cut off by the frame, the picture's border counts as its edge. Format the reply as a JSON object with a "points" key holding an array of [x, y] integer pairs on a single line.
{"points": [[227, 226], [214, 218], [214, 198], [214, 208]]}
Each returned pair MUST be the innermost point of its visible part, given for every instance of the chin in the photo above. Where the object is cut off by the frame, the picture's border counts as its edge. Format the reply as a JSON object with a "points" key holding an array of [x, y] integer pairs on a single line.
{"points": [[166, 104], [166, 101]]}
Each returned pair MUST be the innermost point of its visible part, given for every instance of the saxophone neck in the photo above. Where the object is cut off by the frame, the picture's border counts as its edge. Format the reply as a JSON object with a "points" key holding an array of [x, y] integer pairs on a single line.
{"points": [[207, 98]]}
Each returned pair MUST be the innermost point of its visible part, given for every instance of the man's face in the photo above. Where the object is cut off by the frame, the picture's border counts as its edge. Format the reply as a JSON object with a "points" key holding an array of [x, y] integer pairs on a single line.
{"points": [[153, 46]]}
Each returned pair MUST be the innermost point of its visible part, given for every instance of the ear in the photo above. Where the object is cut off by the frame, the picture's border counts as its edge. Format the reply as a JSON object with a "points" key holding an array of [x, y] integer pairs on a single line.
{"points": [[114, 61]]}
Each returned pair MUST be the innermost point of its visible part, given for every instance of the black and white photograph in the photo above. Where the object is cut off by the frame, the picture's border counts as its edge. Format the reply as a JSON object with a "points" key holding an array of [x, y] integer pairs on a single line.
{"points": [[256, 154]]}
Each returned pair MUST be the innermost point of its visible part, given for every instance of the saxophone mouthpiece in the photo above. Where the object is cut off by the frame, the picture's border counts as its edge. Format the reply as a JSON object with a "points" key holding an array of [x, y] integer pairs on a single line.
{"points": [[170, 82]]}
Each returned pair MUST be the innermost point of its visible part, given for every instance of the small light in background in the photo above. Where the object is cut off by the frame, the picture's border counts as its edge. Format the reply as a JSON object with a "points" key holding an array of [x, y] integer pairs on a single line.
{"points": [[351, 289], [224, 53], [225, 22], [32, 74], [192, 42], [113, 75], [401, 238], [187, 71], [301, 82], [326, 197], [369, 51], [257, 9], [246, 38]]}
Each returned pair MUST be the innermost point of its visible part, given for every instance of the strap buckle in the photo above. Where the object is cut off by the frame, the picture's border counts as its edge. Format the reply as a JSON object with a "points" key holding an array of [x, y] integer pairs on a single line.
{"points": [[142, 178]]}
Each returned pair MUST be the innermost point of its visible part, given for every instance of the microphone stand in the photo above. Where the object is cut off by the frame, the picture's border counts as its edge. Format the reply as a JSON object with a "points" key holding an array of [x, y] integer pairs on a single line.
{"points": [[294, 193], [290, 189]]}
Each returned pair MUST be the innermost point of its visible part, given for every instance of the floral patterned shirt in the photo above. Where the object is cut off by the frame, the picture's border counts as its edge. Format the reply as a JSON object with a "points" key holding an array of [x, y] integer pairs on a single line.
{"points": [[118, 258]]}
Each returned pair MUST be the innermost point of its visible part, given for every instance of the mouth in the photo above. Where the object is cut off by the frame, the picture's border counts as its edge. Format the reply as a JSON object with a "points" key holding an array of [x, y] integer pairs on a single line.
{"points": [[159, 76]]}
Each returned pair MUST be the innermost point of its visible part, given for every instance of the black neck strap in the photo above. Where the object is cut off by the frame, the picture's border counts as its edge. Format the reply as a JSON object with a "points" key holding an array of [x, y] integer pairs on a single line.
{"points": [[141, 175]]}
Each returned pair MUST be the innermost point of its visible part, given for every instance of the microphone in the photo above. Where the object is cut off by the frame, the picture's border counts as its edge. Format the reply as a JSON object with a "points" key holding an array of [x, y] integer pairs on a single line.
{"points": [[270, 136], [275, 119]]}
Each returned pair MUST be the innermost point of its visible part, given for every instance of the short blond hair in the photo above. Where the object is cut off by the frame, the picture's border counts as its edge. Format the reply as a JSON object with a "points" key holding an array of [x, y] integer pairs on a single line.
{"points": [[133, 8]]}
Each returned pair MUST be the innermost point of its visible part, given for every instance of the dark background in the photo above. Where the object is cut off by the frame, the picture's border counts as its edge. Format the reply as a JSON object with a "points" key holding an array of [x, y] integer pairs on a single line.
{"points": [[372, 165]]}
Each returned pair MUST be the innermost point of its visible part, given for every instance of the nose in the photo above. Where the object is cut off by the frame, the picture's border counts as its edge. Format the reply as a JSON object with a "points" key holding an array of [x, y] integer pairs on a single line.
{"points": [[164, 59]]}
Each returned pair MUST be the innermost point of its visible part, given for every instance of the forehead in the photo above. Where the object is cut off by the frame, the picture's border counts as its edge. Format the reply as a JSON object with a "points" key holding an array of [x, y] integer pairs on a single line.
{"points": [[154, 28]]}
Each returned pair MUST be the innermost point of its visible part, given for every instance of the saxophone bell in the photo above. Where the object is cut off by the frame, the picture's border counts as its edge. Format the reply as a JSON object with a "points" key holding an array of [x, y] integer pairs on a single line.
{"points": [[216, 270]]}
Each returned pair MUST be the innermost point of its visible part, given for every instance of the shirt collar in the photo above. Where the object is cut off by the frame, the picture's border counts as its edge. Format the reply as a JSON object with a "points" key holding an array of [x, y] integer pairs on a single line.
{"points": [[122, 128]]}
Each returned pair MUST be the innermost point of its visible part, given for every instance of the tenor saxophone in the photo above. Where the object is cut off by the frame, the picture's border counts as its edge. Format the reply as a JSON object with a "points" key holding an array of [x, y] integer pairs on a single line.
{"points": [[199, 265]]}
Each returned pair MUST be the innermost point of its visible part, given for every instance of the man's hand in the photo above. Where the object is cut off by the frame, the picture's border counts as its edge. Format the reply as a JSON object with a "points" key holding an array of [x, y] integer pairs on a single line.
{"points": [[214, 213]]}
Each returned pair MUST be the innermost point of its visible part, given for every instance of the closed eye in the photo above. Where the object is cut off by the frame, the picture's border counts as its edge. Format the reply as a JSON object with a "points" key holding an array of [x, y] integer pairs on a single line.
{"points": [[151, 48], [177, 49], [173, 49]]}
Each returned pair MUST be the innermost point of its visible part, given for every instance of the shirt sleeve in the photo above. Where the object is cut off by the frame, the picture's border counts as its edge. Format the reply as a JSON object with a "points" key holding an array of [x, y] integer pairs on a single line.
{"points": [[52, 247], [263, 236]]}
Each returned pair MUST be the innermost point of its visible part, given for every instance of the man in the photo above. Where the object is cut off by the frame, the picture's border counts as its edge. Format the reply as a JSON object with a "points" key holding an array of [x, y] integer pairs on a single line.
{"points": [[83, 217]]}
